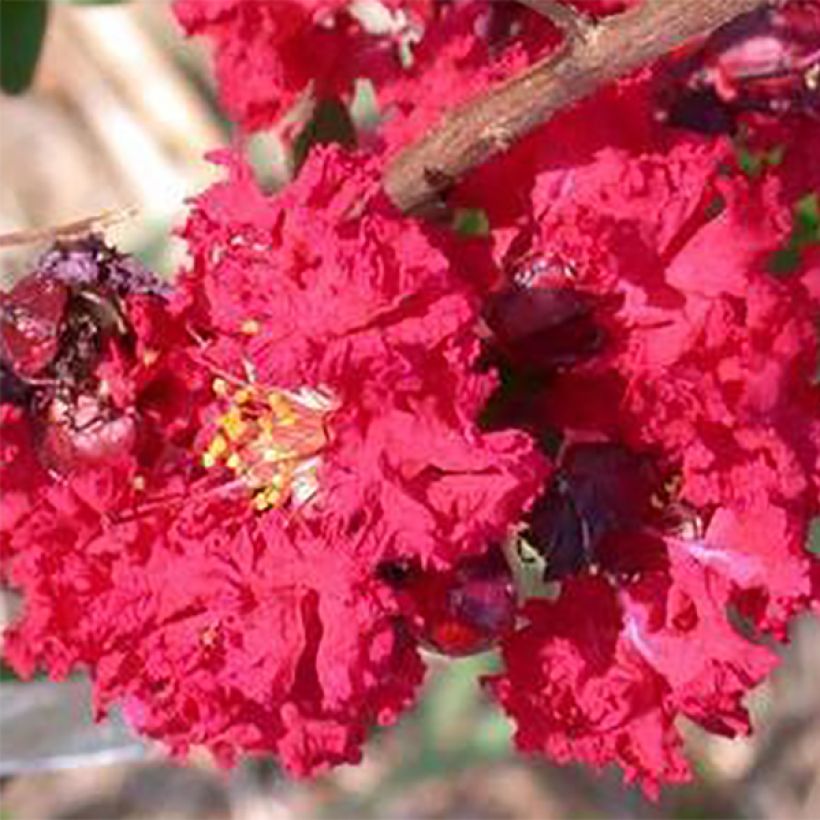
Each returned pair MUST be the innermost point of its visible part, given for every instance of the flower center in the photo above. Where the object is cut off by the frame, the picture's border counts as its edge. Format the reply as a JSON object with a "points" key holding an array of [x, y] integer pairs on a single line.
{"points": [[271, 440]]}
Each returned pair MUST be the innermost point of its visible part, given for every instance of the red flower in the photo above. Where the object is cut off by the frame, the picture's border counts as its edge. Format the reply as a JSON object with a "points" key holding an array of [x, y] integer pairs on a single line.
{"points": [[601, 675], [267, 52], [702, 364], [423, 56], [579, 689], [244, 508], [227, 586], [350, 309]]}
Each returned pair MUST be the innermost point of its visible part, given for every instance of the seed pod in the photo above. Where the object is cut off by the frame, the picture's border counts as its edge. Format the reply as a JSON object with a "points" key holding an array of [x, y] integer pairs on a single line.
{"points": [[461, 611]]}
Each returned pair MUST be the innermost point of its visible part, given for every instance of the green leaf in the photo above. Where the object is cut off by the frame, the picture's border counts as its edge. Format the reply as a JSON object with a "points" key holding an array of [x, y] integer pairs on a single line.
{"points": [[813, 542], [807, 220], [7, 673], [750, 163], [364, 107], [471, 222], [754, 163], [330, 123], [784, 261], [22, 28], [805, 233]]}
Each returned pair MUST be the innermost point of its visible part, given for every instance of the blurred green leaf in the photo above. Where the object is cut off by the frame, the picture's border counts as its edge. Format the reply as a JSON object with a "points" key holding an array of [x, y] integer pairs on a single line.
{"points": [[493, 735], [454, 700], [22, 28], [750, 163], [753, 163], [471, 222], [6, 672], [785, 261], [90, 2], [330, 123], [805, 233], [364, 107], [807, 219], [813, 543]]}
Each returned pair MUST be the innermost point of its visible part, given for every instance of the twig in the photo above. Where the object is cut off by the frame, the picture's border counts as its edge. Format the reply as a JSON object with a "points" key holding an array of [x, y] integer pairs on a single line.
{"points": [[489, 124], [574, 24], [79, 227]]}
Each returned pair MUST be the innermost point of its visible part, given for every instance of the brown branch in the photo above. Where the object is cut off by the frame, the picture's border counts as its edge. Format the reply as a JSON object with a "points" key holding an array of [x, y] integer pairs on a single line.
{"points": [[489, 124], [572, 23]]}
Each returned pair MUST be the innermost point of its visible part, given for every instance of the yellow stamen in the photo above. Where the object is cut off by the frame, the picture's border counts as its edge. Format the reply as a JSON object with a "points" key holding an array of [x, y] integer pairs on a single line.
{"points": [[267, 438], [233, 424], [218, 446]]}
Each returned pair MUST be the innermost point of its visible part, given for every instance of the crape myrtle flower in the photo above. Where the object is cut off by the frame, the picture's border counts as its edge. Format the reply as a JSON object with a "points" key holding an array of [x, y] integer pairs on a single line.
{"points": [[687, 469], [100, 394], [233, 584], [268, 52], [466, 49], [325, 289]]}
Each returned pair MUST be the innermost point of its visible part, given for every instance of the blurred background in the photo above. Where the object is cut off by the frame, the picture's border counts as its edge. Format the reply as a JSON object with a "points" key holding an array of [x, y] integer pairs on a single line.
{"points": [[119, 116]]}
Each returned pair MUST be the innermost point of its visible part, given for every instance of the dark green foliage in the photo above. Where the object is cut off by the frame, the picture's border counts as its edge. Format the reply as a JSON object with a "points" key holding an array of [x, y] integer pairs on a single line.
{"points": [[22, 29], [805, 233], [330, 123]]}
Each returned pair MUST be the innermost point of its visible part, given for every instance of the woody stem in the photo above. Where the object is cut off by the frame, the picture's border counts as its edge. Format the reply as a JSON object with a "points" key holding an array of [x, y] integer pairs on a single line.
{"points": [[592, 55]]}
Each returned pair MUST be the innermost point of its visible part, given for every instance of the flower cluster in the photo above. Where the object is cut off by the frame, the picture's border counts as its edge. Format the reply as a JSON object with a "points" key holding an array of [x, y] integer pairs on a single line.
{"points": [[245, 502], [227, 577], [675, 365]]}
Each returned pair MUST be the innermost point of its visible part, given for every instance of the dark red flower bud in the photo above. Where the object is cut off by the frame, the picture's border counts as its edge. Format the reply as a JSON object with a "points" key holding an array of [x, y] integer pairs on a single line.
{"points": [[601, 490], [56, 326], [461, 611], [84, 432], [540, 328], [767, 61], [31, 315]]}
